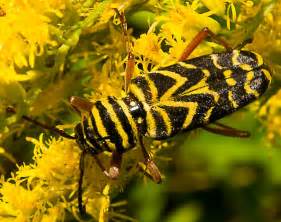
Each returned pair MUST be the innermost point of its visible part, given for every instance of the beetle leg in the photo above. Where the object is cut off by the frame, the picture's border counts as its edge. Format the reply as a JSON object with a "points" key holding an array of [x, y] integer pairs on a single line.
{"points": [[80, 104], [115, 165], [224, 130], [151, 167], [131, 59], [203, 34]]}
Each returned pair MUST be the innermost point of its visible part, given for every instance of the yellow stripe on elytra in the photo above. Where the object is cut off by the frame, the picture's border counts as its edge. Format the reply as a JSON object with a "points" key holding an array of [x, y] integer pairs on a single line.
{"points": [[191, 106], [206, 73], [235, 54], [232, 100], [166, 119], [229, 80], [179, 82], [206, 90], [227, 73], [214, 58], [191, 112], [259, 58], [153, 89], [244, 66], [151, 125], [137, 92], [128, 115], [118, 125], [247, 87], [187, 66], [208, 114], [267, 74], [201, 87]]}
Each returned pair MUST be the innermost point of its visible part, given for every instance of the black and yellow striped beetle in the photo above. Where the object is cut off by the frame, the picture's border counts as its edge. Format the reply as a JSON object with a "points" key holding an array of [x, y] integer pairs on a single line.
{"points": [[189, 94]]}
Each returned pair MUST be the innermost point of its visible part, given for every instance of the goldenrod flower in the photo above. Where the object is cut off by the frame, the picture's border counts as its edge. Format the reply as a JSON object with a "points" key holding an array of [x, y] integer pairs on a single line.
{"points": [[271, 113], [181, 24], [24, 32], [148, 51], [267, 42]]}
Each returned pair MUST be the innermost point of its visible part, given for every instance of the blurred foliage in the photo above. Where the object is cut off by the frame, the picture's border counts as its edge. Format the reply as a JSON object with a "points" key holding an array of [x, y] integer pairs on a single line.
{"points": [[214, 178], [51, 50]]}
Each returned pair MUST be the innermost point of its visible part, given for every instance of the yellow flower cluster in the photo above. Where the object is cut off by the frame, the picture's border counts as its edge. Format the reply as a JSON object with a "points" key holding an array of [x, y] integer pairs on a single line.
{"points": [[46, 188], [24, 32], [271, 113], [267, 42]]}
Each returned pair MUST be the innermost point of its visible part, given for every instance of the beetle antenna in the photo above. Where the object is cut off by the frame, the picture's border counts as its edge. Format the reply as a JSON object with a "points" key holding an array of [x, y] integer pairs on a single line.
{"points": [[42, 125]]}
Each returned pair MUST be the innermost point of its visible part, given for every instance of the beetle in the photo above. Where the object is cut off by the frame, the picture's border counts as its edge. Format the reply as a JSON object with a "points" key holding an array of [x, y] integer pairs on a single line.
{"points": [[189, 94]]}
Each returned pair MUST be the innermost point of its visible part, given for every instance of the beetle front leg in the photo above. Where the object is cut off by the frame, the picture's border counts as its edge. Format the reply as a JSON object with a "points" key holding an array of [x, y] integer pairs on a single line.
{"points": [[115, 164]]}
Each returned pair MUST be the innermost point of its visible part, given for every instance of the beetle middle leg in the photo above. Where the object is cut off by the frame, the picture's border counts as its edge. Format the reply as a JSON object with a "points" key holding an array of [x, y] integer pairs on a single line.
{"points": [[153, 171]]}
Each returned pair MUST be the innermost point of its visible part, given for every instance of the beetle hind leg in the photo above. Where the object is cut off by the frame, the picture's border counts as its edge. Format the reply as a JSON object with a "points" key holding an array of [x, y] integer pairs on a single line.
{"points": [[200, 37], [224, 130]]}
